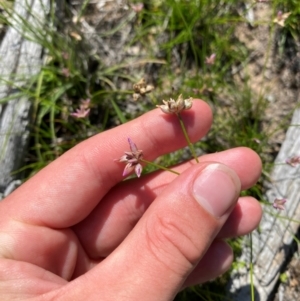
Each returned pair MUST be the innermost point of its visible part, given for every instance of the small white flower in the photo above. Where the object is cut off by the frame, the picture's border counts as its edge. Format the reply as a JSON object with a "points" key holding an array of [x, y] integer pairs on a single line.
{"points": [[141, 88], [281, 18], [175, 107]]}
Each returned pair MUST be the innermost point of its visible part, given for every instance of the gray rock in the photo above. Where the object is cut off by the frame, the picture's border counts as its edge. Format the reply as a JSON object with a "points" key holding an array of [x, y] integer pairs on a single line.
{"points": [[20, 59], [273, 243]]}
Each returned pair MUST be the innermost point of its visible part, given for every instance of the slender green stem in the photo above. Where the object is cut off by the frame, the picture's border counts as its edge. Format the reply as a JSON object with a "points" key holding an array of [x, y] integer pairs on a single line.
{"points": [[251, 269], [160, 166], [35, 110], [191, 146]]}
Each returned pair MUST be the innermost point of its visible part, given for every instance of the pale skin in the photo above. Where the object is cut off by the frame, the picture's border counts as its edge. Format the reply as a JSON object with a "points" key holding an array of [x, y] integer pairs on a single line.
{"points": [[75, 231]]}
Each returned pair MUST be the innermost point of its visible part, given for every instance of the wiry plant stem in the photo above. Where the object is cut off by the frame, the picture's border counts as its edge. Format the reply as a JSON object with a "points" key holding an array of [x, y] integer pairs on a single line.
{"points": [[251, 270], [160, 166], [191, 146]]}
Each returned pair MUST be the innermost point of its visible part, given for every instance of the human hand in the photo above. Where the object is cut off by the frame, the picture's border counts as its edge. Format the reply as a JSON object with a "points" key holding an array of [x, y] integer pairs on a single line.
{"points": [[77, 231]]}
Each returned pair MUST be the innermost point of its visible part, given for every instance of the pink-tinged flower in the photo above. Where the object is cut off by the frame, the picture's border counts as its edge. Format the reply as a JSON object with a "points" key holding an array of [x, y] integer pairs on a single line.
{"points": [[137, 7], [279, 204], [65, 72], [65, 55], [176, 106], [211, 59], [80, 113], [132, 160], [83, 110], [281, 18], [294, 161]]}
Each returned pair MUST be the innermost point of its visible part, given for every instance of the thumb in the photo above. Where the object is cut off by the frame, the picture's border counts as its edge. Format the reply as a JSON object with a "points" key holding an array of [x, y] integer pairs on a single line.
{"points": [[170, 239]]}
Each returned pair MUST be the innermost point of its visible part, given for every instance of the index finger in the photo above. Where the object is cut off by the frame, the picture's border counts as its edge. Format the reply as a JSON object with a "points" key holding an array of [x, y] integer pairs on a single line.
{"points": [[68, 189]]}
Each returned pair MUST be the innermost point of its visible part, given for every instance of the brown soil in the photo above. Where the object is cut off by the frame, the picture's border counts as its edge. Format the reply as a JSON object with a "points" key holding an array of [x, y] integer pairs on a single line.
{"points": [[271, 74]]}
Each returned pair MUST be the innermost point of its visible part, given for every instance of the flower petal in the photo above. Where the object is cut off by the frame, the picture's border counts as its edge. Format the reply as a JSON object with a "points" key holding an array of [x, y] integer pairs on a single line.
{"points": [[132, 145], [128, 169], [138, 170]]}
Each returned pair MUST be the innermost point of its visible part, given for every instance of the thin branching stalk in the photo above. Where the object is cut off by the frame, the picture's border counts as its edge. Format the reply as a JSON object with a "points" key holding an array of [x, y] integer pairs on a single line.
{"points": [[191, 146], [160, 166]]}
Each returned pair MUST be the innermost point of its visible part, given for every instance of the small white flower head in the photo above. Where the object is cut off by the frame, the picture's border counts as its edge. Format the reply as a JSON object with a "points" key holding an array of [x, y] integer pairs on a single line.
{"points": [[279, 204], [141, 88], [175, 107], [281, 18], [132, 160], [138, 7], [75, 35], [256, 140]]}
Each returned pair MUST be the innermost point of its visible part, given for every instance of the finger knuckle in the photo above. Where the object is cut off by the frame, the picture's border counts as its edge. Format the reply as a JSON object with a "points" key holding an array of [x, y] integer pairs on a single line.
{"points": [[169, 241]]}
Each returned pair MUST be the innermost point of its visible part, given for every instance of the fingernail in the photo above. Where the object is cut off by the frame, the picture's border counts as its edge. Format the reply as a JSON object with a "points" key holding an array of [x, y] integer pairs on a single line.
{"points": [[216, 189]]}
